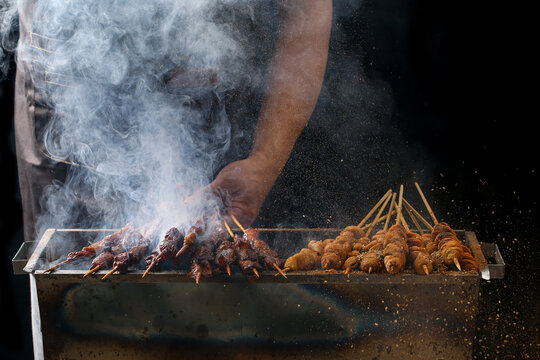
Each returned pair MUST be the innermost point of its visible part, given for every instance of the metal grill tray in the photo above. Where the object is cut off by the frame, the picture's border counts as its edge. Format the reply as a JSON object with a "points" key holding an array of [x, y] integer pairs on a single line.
{"points": [[46, 251], [310, 315]]}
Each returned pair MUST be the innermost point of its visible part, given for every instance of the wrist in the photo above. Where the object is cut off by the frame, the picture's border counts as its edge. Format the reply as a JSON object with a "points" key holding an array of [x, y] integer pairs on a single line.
{"points": [[267, 163]]}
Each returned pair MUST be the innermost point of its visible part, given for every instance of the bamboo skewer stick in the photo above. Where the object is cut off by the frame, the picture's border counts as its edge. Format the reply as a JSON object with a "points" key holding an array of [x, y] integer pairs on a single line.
{"points": [[54, 267], [112, 271], [417, 214], [237, 223], [404, 223], [413, 218], [92, 270], [228, 229], [379, 214], [399, 205], [152, 264], [426, 203], [388, 193], [244, 230], [282, 272], [381, 219], [390, 212], [228, 268], [456, 261]]}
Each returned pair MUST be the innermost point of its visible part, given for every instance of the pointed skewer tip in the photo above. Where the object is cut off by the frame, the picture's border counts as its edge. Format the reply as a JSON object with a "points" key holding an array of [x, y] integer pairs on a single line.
{"points": [[456, 261], [109, 273], [92, 270], [279, 270]]}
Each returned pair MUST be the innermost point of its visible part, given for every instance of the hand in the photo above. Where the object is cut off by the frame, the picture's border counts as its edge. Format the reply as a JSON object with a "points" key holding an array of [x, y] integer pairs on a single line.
{"points": [[243, 185]]}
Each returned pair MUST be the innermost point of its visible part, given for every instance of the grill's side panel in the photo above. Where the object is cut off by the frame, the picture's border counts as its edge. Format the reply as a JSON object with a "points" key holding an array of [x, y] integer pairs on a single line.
{"points": [[262, 321]]}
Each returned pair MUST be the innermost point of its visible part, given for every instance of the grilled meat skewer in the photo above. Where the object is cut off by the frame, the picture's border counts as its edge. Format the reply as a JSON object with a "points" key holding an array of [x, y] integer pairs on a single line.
{"points": [[268, 257], [96, 248], [246, 257], [168, 247], [196, 229]]}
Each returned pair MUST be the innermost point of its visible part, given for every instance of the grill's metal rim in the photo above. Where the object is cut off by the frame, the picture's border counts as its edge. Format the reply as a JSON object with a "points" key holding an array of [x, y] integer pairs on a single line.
{"points": [[298, 277]]}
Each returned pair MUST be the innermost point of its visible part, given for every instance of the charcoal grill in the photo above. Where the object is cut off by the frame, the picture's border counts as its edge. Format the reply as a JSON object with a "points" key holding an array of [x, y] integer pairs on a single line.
{"points": [[309, 315]]}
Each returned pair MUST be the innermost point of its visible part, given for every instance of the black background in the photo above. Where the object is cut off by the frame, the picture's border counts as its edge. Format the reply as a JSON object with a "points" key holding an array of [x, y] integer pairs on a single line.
{"points": [[427, 91]]}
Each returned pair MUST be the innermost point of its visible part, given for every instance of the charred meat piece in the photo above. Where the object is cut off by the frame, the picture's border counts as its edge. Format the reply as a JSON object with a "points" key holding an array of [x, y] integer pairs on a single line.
{"points": [[225, 257], [246, 257], [266, 256], [197, 228], [168, 247], [103, 260], [202, 259], [133, 256]]}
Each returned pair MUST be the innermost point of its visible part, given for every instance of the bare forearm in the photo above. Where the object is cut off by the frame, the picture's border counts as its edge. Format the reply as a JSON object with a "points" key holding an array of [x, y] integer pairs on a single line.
{"points": [[294, 80]]}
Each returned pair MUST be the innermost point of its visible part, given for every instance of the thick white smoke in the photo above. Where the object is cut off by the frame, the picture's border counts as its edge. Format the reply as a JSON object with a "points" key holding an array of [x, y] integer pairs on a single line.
{"points": [[107, 69]]}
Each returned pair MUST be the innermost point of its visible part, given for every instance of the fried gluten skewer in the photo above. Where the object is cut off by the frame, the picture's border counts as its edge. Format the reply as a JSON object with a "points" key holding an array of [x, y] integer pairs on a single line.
{"points": [[395, 245], [361, 239], [418, 254], [373, 259], [312, 256], [451, 250]]}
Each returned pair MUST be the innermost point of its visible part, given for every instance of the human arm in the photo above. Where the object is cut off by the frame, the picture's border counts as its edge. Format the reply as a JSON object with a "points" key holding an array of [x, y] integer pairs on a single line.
{"points": [[293, 85]]}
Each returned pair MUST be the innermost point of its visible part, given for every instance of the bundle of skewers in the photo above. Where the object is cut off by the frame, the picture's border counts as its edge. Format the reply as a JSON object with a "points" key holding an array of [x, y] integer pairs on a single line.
{"points": [[210, 243], [384, 244], [391, 249]]}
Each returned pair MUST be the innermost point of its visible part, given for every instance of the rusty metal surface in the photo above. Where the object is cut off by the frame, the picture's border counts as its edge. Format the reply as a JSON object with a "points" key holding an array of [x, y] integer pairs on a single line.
{"points": [[244, 320]]}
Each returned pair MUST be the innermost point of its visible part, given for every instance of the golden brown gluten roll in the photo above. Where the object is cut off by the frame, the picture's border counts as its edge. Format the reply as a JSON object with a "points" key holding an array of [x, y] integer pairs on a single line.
{"points": [[440, 228], [469, 263], [395, 249], [335, 253], [372, 261], [437, 261], [306, 259], [352, 261], [317, 246], [418, 254], [355, 230], [361, 243]]}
